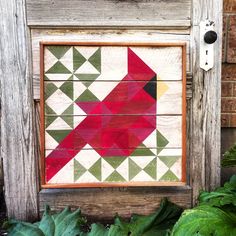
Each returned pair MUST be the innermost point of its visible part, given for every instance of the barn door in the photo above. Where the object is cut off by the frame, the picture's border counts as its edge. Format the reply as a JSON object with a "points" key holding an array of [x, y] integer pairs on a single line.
{"points": [[112, 110]]}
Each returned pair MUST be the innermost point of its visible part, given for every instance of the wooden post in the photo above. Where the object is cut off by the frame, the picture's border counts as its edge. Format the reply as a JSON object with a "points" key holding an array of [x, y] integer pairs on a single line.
{"points": [[17, 121], [205, 128]]}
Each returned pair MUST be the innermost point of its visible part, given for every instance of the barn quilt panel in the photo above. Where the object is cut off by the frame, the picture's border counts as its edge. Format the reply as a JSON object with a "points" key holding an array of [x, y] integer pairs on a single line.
{"points": [[112, 114]]}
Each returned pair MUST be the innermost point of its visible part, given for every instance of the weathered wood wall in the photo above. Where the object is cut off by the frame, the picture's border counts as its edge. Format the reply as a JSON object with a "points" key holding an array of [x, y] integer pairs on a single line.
{"points": [[148, 21]]}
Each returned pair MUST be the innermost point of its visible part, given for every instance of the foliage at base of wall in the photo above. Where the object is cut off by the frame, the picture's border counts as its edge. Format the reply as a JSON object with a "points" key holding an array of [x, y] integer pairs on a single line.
{"points": [[229, 158], [215, 215]]}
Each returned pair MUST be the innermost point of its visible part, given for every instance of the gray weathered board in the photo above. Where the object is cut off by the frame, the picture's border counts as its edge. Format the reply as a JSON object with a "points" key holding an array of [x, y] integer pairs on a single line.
{"points": [[161, 21]]}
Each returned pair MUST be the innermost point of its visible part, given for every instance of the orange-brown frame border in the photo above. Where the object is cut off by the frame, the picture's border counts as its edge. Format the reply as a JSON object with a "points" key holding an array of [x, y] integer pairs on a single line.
{"points": [[126, 184]]}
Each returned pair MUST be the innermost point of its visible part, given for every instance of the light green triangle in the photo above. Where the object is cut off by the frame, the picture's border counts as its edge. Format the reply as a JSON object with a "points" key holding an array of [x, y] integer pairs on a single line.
{"points": [[87, 96], [58, 68], [49, 120], [46, 78], [67, 88], [68, 120], [87, 79], [96, 170], [58, 135], [115, 177], [115, 161], [78, 59], [161, 140], [142, 150], [49, 110], [151, 168], [79, 170], [169, 176], [134, 169], [69, 110], [169, 160], [95, 59], [49, 89], [58, 51]]}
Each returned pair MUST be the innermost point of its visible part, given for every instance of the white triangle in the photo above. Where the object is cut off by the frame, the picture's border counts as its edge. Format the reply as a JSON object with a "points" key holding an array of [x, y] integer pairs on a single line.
{"points": [[58, 76], [87, 52], [161, 168], [142, 176], [75, 77], [78, 111], [123, 168], [47, 152], [78, 89], [58, 124], [171, 152], [177, 168], [49, 60], [87, 177], [64, 175], [67, 59], [87, 68], [50, 142], [142, 161], [150, 141], [107, 169], [78, 120], [87, 157]]}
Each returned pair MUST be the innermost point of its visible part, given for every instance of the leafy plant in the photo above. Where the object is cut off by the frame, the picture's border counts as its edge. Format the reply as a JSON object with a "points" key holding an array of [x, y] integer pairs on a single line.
{"points": [[229, 157], [68, 223], [215, 215]]}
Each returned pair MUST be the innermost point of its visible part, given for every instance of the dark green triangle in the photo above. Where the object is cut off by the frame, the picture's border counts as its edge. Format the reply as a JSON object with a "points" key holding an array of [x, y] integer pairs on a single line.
{"points": [[169, 176], [68, 120], [87, 77], [134, 169], [58, 68], [49, 89], [79, 170], [169, 160], [115, 177], [49, 120], [46, 78], [58, 51], [78, 59], [87, 96], [69, 110], [67, 88], [142, 151], [161, 140], [96, 169], [58, 135], [151, 168], [95, 59], [49, 110], [115, 161]]}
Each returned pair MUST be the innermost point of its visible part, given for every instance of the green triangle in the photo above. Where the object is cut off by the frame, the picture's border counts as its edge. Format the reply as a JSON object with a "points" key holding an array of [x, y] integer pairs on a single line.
{"points": [[151, 168], [49, 110], [69, 110], [134, 169], [169, 160], [96, 170], [79, 170], [67, 88], [161, 140], [68, 120], [78, 59], [46, 78], [49, 89], [87, 77], [87, 96], [58, 51], [115, 177], [58, 135], [115, 161], [58, 68], [169, 176], [95, 59], [142, 151], [49, 120]]}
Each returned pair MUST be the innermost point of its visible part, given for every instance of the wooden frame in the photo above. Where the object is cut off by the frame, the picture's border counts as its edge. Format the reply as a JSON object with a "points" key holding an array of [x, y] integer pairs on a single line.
{"points": [[42, 116]]}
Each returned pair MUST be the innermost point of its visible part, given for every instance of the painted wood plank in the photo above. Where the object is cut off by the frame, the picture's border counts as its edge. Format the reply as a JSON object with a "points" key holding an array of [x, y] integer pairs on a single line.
{"points": [[101, 204], [17, 118], [205, 123], [109, 13]]}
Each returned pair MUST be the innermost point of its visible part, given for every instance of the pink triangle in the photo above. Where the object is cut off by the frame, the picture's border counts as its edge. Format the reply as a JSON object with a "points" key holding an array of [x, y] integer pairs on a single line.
{"points": [[87, 107]]}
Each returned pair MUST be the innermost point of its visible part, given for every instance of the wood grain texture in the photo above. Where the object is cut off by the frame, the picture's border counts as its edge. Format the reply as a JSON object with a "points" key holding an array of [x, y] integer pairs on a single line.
{"points": [[102, 13], [205, 121], [17, 119], [101, 204]]}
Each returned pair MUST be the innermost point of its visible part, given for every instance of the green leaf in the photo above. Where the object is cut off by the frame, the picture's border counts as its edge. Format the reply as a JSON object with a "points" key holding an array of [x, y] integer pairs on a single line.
{"points": [[229, 157], [205, 220]]}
